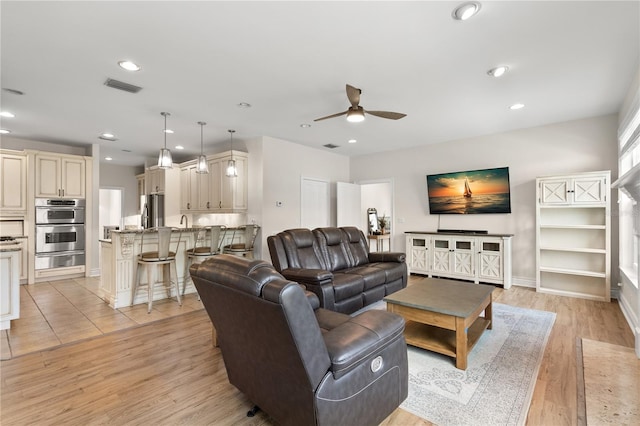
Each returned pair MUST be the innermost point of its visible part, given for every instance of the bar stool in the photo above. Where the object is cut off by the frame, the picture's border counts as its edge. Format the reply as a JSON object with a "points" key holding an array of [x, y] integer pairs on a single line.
{"points": [[244, 249], [150, 260], [207, 244]]}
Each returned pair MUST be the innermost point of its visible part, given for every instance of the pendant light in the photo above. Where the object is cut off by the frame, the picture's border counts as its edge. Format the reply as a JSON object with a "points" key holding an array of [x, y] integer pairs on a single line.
{"points": [[232, 171], [201, 165], [164, 159]]}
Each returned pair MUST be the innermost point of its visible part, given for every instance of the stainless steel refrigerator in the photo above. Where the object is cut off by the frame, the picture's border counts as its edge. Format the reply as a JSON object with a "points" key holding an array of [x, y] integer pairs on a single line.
{"points": [[153, 211]]}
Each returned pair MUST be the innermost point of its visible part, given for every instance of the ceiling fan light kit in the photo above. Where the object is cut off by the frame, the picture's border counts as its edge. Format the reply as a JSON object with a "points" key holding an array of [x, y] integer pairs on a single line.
{"points": [[356, 113]]}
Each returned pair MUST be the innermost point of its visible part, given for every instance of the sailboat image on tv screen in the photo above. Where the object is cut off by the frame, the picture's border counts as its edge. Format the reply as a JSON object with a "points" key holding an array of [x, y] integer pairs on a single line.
{"points": [[467, 189], [470, 192]]}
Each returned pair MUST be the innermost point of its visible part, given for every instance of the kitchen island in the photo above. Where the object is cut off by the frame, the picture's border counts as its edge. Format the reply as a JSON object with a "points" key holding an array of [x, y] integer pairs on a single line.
{"points": [[119, 263]]}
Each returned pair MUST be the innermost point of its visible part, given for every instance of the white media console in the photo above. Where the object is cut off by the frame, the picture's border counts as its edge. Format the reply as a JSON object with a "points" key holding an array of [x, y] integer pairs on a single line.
{"points": [[474, 256]]}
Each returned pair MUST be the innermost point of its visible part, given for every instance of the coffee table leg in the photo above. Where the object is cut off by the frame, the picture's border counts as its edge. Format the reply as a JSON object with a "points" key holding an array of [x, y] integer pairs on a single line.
{"points": [[488, 314], [461, 344]]}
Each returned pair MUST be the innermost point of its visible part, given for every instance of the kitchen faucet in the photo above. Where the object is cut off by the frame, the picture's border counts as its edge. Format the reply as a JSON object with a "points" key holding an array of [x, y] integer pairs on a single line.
{"points": [[186, 220]]}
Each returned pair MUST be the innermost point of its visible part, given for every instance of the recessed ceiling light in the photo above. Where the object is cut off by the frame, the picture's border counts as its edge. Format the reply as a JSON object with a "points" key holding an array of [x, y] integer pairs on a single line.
{"points": [[244, 105], [179, 147], [352, 141], [7, 114], [465, 11], [108, 137], [4, 131], [168, 131], [498, 71], [129, 66], [516, 106], [305, 125], [108, 158]]}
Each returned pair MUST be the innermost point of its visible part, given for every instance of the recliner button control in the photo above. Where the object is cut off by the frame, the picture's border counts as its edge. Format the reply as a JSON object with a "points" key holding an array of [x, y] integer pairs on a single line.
{"points": [[376, 364]]}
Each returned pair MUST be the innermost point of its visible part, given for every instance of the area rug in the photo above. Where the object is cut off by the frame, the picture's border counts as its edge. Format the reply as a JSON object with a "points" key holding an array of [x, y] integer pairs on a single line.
{"points": [[497, 386]]}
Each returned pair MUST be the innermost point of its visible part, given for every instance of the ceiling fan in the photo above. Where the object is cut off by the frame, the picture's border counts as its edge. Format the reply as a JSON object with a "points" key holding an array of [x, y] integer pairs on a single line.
{"points": [[355, 113]]}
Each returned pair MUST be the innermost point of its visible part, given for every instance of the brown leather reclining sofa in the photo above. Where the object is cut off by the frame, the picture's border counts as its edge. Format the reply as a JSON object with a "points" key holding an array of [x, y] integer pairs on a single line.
{"points": [[335, 264], [301, 364]]}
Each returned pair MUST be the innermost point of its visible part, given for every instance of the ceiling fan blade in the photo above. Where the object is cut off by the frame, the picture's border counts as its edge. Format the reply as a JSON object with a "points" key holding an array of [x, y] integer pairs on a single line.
{"points": [[354, 95], [331, 116], [387, 114]]}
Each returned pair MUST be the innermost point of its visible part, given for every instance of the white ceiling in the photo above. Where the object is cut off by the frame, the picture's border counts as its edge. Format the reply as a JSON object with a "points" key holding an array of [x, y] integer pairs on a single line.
{"points": [[291, 61]]}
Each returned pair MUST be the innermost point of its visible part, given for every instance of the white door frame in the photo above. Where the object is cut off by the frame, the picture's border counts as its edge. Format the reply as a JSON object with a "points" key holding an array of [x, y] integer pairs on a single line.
{"points": [[326, 184]]}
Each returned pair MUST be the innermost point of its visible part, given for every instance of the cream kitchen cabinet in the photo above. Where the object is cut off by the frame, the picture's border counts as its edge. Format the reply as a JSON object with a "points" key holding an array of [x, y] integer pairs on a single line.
{"points": [[155, 180], [573, 235], [60, 176], [229, 194], [194, 189], [13, 183], [214, 192], [474, 257]]}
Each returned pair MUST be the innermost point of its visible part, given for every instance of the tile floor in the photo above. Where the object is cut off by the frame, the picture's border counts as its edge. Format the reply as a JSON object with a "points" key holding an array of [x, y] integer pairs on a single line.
{"points": [[55, 313]]}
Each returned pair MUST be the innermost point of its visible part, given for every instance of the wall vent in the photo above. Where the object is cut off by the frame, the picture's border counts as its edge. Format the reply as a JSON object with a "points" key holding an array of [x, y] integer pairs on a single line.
{"points": [[331, 146], [122, 86]]}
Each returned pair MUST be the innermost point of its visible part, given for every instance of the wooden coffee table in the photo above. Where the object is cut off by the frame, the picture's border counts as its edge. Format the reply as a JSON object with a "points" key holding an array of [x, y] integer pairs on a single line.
{"points": [[444, 315]]}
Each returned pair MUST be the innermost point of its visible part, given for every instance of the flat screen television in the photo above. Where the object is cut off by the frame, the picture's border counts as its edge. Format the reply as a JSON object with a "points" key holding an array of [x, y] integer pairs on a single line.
{"points": [[470, 192]]}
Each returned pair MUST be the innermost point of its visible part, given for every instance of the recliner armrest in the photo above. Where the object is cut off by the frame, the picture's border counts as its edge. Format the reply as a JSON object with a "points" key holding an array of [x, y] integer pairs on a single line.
{"points": [[397, 257], [308, 276], [356, 340]]}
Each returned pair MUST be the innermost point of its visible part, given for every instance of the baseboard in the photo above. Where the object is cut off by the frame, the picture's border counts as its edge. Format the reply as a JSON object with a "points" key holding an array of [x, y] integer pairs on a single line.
{"points": [[524, 282], [632, 320]]}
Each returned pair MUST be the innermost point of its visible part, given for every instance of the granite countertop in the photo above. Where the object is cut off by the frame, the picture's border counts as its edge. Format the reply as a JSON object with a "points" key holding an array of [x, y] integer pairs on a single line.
{"points": [[177, 229]]}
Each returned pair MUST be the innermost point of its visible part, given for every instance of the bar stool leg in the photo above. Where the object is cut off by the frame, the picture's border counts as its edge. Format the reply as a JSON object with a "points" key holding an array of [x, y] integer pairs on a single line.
{"points": [[186, 273], [136, 284], [175, 270], [151, 279]]}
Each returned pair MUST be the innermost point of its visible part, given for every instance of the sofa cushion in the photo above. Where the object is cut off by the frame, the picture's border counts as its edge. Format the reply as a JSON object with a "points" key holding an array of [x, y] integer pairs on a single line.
{"points": [[347, 285], [302, 249], [356, 246], [392, 270], [332, 245], [373, 277], [355, 340]]}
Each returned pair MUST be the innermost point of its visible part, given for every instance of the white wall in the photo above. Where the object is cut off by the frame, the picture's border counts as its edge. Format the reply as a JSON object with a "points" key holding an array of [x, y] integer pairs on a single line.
{"points": [[284, 164], [8, 142], [568, 147], [115, 176]]}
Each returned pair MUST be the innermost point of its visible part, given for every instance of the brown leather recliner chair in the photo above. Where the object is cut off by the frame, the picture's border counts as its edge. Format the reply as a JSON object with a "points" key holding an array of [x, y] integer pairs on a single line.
{"points": [[301, 364]]}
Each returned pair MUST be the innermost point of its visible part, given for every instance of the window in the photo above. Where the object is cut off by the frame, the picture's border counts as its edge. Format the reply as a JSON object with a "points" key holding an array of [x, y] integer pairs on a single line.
{"points": [[628, 195]]}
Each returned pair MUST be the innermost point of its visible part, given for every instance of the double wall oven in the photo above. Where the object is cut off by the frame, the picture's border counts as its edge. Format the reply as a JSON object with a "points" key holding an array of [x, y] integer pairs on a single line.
{"points": [[60, 233]]}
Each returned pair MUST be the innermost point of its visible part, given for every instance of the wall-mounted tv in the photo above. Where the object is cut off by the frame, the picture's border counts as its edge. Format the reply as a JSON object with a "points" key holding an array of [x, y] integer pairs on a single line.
{"points": [[470, 192]]}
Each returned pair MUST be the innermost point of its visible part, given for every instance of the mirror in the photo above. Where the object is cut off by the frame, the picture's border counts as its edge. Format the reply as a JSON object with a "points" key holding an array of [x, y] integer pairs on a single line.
{"points": [[372, 220]]}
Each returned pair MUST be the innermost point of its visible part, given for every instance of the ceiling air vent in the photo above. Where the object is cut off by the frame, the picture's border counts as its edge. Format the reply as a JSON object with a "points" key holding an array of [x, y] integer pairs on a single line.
{"points": [[122, 86], [331, 146]]}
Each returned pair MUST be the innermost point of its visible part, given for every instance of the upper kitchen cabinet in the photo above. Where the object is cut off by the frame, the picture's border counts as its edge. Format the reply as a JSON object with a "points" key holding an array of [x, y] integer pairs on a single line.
{"points": [[60, 176], [13, 183], [155, 180], [229, 194], [194, 189], [214, 192]]}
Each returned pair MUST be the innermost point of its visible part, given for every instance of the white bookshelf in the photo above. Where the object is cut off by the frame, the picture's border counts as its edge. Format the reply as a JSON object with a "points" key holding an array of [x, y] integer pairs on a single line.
{"points": [[573, 235]]}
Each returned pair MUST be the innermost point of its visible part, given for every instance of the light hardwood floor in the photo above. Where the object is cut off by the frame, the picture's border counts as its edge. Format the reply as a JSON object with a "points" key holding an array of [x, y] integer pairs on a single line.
{"points": [[168, 373]]}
